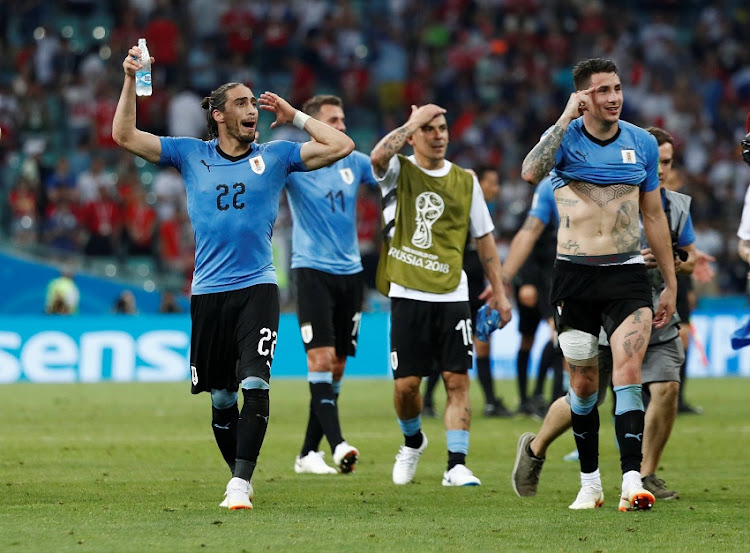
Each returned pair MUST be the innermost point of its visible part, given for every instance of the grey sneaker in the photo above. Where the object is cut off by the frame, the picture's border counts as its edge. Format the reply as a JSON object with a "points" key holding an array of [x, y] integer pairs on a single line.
{"points": [[526, 471], [658, 487]]}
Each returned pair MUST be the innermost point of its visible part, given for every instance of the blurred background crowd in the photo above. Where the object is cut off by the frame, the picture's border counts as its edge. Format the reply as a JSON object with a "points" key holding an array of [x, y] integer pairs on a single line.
{"points": [[500, 67]]}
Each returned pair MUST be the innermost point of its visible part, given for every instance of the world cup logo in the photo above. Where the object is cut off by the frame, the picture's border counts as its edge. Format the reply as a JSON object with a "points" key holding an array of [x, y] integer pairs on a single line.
{"points": [[430, 207]]}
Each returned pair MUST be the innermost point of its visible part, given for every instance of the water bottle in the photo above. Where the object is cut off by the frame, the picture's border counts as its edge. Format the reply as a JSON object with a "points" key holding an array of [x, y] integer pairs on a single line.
{"points": [[143, 75]]}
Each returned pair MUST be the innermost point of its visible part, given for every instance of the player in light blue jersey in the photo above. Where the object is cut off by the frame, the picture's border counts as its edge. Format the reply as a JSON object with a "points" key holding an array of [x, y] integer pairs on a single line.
{"points": [[327, 273], [531, 253], [606, 172], [661, 363], [233, 187]]}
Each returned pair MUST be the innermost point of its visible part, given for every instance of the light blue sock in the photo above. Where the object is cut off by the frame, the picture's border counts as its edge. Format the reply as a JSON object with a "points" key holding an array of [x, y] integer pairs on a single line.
{"points": [[628, 398], [582, 405], [319, 378], [458, 441], [410, 427], [336, 387]]}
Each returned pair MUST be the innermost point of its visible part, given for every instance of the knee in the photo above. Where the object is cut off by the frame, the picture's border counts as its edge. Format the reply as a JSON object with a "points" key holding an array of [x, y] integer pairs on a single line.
{"points": [[320, 360], [528, 295], [339, 363], [223, 399], [456, 384]]}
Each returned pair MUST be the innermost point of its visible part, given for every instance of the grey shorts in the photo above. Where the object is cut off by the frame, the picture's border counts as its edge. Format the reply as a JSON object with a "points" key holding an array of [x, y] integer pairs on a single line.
{"points": [[660, 364]]}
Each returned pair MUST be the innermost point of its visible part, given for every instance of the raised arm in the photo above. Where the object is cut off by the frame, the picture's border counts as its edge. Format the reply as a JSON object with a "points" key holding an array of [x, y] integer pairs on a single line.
{"points": [[124, 131], [541, 159], [521, 245], [392, 143], [657, 233], [487, 251], [327, 145]]}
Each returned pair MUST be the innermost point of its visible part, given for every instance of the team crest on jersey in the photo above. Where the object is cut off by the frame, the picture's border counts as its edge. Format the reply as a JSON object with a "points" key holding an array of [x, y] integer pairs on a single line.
{"points": [[394, 360], [257, 165], [628, 156], [347, 175], [307, 332]]}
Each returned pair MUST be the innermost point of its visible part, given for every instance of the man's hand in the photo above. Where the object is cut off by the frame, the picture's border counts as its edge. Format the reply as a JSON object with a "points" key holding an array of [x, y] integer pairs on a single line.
{"points": [[703, 271], [274, 103], [499, 302], [650, 259], [665, 309], [133, 61], [422, 115], [577, 103]]}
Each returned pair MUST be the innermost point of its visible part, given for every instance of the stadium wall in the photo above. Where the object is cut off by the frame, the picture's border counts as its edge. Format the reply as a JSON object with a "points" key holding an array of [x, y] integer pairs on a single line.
{"points": [[151, 348]]}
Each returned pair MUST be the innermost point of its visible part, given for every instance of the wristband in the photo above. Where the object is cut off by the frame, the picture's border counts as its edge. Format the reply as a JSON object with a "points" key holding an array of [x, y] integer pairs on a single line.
{"points": [[300, 119]]}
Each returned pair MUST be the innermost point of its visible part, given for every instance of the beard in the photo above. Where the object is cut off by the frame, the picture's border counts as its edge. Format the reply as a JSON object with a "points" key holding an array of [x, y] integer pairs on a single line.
{"points": [[235, 131]]}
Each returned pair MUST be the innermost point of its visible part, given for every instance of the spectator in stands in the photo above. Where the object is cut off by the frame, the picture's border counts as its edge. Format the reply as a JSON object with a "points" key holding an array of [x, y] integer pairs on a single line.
{"points": [[125, 304], [62, 294]]}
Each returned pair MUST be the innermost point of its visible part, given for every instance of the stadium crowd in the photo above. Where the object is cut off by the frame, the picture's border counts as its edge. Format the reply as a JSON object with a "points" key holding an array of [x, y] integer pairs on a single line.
{"points": [[501, 68]]}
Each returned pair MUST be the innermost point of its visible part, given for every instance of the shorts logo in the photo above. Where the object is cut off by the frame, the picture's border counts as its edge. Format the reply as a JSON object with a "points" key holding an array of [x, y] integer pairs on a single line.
{"points": [[559, 308], [628, 156], [347, 175], [307, 332], [257, 164], [394, 360], [429, 207], [194, 375]]}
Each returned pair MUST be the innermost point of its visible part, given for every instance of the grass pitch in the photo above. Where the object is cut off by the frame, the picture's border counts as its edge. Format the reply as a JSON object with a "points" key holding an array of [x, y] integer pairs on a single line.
{"points": [[133, 467]]}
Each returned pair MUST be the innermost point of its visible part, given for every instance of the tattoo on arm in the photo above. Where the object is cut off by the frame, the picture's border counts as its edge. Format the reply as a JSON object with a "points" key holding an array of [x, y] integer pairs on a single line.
{"points": [[541, 159], [390, 145], [626, 232]]}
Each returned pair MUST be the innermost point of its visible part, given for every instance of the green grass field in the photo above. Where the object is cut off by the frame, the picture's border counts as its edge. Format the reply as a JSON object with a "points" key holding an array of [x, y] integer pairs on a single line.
{"points": [[133, 467]]}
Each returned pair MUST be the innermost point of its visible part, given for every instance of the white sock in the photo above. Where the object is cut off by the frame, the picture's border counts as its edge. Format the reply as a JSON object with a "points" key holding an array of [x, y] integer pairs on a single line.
{"points": [[591, 479], [630, 480]]}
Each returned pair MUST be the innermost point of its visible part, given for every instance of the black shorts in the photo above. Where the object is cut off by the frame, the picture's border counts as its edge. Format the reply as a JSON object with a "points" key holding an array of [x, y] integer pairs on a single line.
{"points": [[430, 335], [233, 337], [684, 286], [329, 309], [475, 279], [587, 297]]}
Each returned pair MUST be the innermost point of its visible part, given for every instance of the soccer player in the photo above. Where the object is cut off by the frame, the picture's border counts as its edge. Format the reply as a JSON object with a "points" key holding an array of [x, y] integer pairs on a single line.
{"points": [[233, 187], [531, 253], [430, 205], [606, 171], [327, 273], [661, 364], [494, 406]]}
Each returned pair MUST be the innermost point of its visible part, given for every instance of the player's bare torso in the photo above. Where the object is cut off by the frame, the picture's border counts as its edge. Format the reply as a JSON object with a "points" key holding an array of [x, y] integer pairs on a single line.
{"points": [[597, 220]]}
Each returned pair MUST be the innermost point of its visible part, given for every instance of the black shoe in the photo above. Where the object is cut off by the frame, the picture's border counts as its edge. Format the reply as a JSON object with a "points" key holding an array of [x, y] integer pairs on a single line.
{"points": [[497, 409], [428, 411], [538, 405], [528, 408], [687, 409]]}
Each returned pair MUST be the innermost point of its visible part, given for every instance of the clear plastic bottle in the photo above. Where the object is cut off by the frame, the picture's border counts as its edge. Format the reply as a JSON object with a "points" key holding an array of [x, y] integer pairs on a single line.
{"points": [[143, 75]]}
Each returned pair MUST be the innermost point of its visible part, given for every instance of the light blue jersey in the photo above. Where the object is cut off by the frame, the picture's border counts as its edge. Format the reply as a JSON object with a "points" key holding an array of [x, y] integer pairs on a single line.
{"points": [[630, 157], [232, 204], [324, 215], [543, 205]]}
